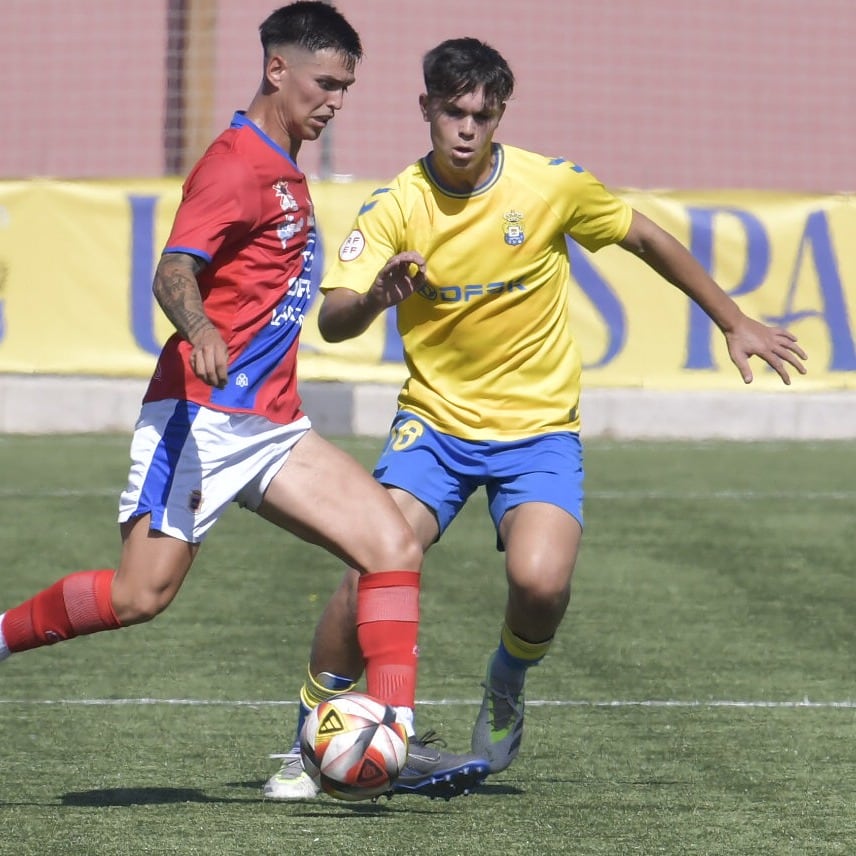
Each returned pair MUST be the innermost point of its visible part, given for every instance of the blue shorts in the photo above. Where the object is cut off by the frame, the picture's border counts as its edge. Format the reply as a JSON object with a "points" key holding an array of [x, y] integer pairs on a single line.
{"points": [[443, 471]]}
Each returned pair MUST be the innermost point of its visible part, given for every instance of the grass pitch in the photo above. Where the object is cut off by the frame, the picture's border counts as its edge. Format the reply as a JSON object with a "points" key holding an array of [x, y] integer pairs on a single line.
{"points": [[698, 698]]}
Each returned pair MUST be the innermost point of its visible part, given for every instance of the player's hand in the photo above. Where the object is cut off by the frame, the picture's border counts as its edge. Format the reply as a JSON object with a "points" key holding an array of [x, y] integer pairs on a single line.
{"points": [[403, 274], [209, 358], [775, 345]]}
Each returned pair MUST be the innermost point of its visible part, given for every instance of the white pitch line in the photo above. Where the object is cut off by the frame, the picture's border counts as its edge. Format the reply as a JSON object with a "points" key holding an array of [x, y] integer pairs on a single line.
{"points": [[678, 495], [59, 493], [849, 704], [720, 494]]}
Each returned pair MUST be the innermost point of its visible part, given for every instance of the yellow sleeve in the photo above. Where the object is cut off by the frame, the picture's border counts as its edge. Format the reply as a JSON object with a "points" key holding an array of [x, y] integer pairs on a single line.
{"points": [[593, 216], [376, 236]]}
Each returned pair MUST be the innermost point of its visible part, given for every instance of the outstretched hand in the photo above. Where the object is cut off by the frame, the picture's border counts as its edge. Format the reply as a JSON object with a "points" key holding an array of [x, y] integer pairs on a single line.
{"points": [[775, 345], [403, 274]]}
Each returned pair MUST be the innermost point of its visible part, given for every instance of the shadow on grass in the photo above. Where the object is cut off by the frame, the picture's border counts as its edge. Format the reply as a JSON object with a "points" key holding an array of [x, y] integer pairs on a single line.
{"points": [[141, 796], [165, 796], [486, 789], [129, 797]]}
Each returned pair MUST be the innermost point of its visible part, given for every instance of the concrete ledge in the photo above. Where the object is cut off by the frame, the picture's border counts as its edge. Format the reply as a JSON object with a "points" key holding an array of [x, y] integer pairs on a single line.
{"points": [[744, 415], [61, 405], [47, 404]]}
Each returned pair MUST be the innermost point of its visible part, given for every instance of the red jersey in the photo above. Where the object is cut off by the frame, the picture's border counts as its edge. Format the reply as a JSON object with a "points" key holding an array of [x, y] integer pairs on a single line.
{"points": [[246, 211]]}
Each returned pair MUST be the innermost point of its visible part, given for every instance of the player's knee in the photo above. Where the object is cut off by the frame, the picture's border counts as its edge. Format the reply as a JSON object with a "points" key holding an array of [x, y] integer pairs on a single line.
{"points": [[398, 547], [542, 594], [140, 605]]}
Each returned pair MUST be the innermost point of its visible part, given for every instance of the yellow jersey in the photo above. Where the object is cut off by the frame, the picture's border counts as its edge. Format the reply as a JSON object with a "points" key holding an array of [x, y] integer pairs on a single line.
{"points": [[487, 342]]}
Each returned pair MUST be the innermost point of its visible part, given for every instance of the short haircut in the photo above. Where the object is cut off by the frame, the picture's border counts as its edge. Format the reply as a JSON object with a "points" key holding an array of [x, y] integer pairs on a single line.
{"points": [[313, 25], [458, 66]]}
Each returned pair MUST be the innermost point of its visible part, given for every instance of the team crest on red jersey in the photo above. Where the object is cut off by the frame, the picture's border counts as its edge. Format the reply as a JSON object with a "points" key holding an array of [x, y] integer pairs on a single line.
{"points": [[286, 201], [291, 225]]}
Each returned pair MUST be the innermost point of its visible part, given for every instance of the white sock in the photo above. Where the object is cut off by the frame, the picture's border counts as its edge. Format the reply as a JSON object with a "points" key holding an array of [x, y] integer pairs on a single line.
{"points": [[4, 648], [404, 715]]}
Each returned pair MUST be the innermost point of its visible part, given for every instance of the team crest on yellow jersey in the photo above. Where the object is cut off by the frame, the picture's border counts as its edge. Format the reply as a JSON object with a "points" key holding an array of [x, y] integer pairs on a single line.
{"points": [[513, 228]]}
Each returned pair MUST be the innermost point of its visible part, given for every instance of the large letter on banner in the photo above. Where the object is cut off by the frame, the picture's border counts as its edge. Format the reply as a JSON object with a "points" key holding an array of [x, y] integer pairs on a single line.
{"points": [[842, 357], [142, 272], [699, 344], [604, 299]]}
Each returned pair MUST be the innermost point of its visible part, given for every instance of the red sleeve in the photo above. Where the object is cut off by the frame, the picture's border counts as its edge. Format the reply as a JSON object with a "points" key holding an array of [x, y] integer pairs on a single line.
{"points": [[219, 203]]}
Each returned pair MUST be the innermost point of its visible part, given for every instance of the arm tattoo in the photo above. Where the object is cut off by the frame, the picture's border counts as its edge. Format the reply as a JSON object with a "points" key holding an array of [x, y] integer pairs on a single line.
{"points": [[177, 293]]}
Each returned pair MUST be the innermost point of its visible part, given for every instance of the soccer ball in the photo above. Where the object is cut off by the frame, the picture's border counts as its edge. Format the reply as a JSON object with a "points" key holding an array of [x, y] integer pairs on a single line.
{"points": [[352, 746]]}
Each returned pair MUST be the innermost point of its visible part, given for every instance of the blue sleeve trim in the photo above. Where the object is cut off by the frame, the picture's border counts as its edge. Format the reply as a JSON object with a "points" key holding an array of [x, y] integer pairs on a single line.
{"points": [[188, 251]]}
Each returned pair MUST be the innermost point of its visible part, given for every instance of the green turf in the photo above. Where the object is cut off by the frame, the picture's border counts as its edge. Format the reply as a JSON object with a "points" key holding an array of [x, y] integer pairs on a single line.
{"points": [[714, 579]]}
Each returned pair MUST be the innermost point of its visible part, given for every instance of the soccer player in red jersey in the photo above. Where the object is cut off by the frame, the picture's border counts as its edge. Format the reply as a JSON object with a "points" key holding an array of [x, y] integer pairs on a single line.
{"points": [[221, 420]]}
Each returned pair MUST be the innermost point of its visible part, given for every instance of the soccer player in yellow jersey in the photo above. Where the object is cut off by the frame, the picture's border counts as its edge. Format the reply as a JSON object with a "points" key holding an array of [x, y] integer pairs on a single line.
{"points": [[469, 245]]}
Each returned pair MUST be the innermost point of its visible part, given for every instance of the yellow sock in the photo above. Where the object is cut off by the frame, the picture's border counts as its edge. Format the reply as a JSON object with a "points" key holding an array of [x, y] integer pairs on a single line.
{"points": [[317, 689], [527, 653], [323, 687]]}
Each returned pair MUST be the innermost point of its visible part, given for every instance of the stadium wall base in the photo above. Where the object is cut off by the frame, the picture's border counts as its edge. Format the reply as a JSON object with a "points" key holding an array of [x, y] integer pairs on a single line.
{"points": [[65, 405]]}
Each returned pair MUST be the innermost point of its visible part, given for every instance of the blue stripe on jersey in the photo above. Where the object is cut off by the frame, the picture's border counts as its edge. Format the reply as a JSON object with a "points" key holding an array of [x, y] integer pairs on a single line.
{"points": [[367, 206], [250, 369], [240, 120], [575, 167], [159, 478]]}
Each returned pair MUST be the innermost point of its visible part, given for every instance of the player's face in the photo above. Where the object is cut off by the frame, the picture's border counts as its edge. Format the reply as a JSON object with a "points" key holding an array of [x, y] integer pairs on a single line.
{"points": [[312, 87], [462, 131]]}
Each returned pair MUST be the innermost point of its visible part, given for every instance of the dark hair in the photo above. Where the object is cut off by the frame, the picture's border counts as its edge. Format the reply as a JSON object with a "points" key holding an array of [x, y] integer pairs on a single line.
{"points": [[457, 66], [313, 25]]}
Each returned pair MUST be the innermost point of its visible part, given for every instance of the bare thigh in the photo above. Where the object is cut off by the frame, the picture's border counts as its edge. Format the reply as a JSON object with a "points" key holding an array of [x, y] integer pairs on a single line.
{"points": [[325, 497], [151, 570], [335, 647], [421, 518]]}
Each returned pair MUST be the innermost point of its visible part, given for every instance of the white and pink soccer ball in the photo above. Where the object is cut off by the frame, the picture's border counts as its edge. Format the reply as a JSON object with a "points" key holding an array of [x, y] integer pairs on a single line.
{"points": [[352, 746]]}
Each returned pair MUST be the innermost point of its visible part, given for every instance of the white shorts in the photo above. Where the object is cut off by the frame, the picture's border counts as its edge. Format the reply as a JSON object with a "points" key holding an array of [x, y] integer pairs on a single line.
{"points": [[189, 462]]}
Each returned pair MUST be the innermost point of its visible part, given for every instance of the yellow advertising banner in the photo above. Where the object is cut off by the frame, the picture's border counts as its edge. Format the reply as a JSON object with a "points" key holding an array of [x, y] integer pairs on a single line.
{"points": [[77, 260]]}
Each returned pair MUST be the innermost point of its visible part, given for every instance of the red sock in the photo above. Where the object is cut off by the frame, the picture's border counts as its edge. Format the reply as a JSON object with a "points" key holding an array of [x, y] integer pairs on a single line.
{"points": [[78, 604], [387, 629]]}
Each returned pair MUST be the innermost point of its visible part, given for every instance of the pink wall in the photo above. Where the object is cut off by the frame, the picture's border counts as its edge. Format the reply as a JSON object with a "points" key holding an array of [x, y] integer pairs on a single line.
{"points": [[712, 93], [82, 87]]}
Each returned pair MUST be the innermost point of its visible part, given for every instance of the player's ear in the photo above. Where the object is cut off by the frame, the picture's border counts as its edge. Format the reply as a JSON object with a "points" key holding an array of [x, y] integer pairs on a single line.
{"points": [[275, 68], [423, 106]]}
